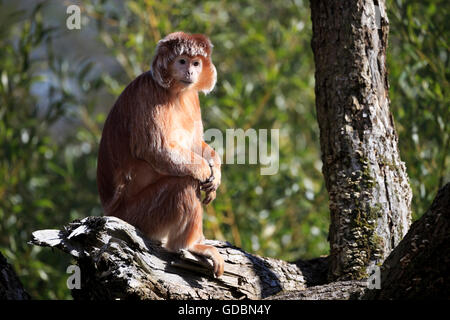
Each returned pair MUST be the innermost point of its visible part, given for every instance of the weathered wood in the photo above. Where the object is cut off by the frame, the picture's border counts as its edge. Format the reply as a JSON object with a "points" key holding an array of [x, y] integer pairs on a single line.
{"points": [[10, 286], [117, 261], [339, 290], [419, 267], [366, 180]]}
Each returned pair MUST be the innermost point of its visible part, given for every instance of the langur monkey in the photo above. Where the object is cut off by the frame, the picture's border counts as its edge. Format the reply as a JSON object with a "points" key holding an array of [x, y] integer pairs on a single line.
{"points": [[153, 161]]}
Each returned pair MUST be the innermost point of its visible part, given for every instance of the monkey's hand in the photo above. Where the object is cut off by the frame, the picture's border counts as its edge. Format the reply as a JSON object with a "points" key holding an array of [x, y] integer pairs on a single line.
{"points": [[210, 196], [211, 184]]}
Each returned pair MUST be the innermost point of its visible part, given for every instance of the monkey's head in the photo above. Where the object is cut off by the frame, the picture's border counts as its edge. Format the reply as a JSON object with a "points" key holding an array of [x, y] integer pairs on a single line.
{"points": [[184, 61]]}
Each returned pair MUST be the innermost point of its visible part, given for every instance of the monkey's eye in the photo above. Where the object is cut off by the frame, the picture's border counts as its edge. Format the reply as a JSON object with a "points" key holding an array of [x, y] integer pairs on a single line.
{"points": [[196, 63], [182, 61]]}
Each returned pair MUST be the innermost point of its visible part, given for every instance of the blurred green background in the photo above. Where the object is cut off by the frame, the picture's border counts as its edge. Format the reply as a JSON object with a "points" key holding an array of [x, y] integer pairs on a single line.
{"points": [[57, 86]]}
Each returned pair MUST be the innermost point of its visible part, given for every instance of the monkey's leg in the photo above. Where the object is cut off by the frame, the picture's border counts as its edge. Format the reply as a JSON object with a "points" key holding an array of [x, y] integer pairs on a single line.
{"points": [[212, 253], [189, 235], [156, 208], [171, 207]]}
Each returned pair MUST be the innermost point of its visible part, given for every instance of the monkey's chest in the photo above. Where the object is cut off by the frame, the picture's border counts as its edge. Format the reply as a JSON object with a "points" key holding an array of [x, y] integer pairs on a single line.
{"points": [[186, 130]]}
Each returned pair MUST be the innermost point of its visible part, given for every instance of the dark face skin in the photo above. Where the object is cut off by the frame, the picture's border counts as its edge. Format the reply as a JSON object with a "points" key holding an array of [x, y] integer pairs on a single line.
{"points": [[186, 71]]}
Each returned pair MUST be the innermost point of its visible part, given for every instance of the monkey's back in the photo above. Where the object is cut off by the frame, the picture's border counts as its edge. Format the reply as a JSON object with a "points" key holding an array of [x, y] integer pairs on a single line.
{"points": [[125, 119]]}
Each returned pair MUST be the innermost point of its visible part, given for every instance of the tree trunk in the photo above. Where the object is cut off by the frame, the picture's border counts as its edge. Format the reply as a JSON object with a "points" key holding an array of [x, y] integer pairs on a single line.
{"points": [[366, 180], [419, 267], [118, 262]]}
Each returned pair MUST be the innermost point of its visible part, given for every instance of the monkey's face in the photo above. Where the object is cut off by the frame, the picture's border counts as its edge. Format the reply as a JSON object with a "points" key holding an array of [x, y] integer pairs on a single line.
{"points": [[186, 70]]}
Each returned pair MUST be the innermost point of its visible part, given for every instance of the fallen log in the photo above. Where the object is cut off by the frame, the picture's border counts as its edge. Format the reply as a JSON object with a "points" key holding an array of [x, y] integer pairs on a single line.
{"points": [[118, 262]]}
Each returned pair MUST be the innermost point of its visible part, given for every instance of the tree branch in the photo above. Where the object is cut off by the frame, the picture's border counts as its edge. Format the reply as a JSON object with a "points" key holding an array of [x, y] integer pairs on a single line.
{"points": [[419, 267], [117, 261]]}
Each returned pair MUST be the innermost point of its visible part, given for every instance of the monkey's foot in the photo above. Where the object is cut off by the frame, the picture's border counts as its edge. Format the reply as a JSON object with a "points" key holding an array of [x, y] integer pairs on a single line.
{"points": [[196, 263]]}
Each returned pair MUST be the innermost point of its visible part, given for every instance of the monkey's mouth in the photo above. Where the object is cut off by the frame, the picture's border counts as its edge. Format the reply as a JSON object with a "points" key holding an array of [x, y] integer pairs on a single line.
{"points": [[186, 81]]}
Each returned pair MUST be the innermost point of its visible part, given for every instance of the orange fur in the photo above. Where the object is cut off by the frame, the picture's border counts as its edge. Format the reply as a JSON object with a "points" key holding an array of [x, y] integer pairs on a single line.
{"points": [[139, 175]]}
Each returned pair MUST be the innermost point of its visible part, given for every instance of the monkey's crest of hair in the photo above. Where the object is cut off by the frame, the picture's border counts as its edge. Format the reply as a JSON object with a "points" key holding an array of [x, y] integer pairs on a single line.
{"points": [[179, 43]]}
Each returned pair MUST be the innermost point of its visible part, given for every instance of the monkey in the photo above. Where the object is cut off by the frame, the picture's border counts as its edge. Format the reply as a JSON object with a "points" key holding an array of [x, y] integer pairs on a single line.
{"points": [[152, 161]]}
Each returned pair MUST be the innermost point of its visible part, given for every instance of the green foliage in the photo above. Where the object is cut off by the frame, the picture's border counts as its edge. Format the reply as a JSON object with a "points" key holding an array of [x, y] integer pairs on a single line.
{"points": [[28, 195], [40, 176], [57, 86], [418, 61]]}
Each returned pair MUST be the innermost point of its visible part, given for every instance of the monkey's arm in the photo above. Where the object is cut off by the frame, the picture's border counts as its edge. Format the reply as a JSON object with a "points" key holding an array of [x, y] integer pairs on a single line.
{"points": [[210, 154], [211, 186], [175, 160], [151, 141]]}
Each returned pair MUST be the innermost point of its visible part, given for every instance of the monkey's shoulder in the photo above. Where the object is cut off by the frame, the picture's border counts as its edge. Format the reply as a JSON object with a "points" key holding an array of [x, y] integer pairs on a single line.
{"points": [[143, 91]]}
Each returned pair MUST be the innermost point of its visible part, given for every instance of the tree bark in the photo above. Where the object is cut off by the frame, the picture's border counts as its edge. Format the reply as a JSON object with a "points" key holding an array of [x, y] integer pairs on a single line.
{"points": [[339, 290], [419, 267], [10, 286], [366, 180], [118, 262]]}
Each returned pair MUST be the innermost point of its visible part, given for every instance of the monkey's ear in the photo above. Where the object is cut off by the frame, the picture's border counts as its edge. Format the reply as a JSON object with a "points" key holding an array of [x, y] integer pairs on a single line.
{"points": [[209, 74], [160, 65], [209, 77]]}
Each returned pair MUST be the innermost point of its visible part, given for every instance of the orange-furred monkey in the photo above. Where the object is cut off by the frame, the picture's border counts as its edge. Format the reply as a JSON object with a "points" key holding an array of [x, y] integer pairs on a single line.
{"points": [[153, 161]]}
